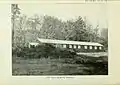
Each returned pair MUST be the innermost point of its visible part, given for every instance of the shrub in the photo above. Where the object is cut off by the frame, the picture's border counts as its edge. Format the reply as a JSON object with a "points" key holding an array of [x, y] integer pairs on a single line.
{"points": [[43, 51]]}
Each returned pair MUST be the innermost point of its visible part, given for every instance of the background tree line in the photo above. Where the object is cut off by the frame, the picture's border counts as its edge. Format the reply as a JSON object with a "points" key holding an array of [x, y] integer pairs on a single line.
{"points": [[27, 29]]}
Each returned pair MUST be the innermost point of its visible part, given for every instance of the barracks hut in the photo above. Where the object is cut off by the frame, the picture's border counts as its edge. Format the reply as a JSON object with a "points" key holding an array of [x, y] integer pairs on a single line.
{"points": [[75, 45]]}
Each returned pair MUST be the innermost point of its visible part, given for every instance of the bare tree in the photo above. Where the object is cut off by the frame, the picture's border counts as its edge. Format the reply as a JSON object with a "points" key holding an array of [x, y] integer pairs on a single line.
{"points": [[34, 21], [22, 25], [15, 12]]}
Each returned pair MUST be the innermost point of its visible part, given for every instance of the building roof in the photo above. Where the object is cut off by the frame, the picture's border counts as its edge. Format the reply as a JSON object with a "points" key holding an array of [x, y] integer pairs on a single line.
{"points": [[68, 42], [33, 43]]}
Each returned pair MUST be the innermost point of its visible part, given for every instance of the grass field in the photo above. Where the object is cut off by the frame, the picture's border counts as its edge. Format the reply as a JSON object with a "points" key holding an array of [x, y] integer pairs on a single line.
{"points": [[46, 66]]}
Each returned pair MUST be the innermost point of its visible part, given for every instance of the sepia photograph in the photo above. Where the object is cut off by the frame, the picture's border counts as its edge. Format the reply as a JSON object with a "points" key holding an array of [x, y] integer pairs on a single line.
{"points": [[59, 39]]}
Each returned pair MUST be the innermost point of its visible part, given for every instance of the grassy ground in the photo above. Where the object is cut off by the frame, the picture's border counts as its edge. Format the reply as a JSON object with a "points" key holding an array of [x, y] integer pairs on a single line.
{"points": [[96, 54], [46, 66]]}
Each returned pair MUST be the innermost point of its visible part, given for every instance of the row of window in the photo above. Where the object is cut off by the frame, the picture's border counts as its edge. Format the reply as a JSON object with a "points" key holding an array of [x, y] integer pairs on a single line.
{"points": [[79, 47], [76, 46]]}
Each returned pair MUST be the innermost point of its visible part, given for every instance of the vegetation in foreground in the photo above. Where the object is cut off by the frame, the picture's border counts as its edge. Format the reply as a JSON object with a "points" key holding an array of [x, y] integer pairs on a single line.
{"points": [[46, 66], [54, 61]]}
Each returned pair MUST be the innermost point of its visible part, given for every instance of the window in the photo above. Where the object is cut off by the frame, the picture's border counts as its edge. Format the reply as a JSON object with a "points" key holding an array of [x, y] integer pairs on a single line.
{"points": [[56, 45], [90, 47], [70, 46], [64, 46], [100, 48], [79, 47], [85, 47], [75, 46], [95, 47]]}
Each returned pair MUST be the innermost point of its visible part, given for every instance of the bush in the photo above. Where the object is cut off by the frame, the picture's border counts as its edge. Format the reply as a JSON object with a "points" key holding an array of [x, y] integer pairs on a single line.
{"points": [[42, 51]]}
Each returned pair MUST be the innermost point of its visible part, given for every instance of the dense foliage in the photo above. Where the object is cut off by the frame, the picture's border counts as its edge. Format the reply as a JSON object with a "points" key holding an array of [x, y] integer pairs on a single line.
{"points": [[27, 29], [43, 51]]}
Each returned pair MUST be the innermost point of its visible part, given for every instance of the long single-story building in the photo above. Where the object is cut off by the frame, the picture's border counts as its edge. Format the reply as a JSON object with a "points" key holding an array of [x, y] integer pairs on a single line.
{"points": [[76, 45]]}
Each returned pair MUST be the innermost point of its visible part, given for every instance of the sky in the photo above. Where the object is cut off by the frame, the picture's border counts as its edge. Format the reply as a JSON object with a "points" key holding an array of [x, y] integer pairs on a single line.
{"points": [[95, 13]]}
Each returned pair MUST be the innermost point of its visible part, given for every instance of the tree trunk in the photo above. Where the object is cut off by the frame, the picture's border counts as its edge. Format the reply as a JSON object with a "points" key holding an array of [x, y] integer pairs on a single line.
{"points": [[13, 27]]}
